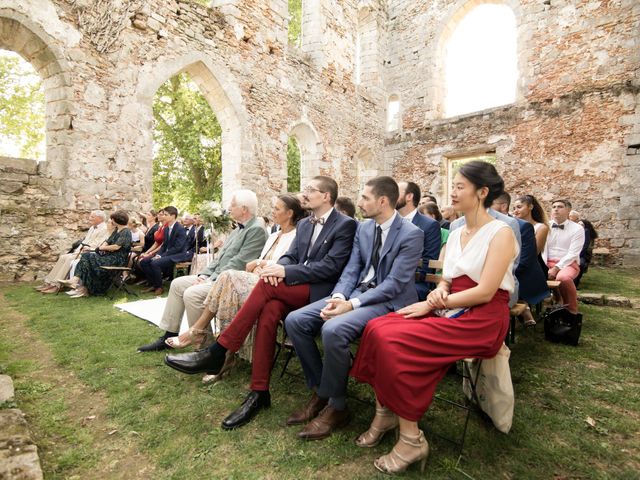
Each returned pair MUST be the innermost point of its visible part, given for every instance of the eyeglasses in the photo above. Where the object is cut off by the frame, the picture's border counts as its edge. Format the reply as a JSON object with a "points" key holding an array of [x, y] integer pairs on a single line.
{"points": [[310, 189]]}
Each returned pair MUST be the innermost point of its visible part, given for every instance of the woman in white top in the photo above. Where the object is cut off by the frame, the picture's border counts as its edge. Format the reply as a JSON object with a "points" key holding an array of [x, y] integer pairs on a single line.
{"points": [[232, 287], [405, 354]]}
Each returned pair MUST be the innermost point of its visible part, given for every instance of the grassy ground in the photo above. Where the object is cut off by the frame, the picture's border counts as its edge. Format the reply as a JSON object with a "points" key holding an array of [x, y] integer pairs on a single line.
{"points": [[99, 410]]}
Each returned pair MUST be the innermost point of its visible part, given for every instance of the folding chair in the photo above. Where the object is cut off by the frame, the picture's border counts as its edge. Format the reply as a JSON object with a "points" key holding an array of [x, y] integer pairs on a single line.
{"points": [[117, 280]]}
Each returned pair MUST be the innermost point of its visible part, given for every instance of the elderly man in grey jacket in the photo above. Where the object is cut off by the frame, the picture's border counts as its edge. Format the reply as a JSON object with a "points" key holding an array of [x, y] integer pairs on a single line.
{"points": [[188, 293]]}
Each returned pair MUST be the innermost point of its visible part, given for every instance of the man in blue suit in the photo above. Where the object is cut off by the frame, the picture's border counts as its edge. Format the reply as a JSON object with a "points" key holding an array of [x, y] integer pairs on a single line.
{"points": [[407, 207], [170, 252], [190, 230], [378, 279], [306, 273]]}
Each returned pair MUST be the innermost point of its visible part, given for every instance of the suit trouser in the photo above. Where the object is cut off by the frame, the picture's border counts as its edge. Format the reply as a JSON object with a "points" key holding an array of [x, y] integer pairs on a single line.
{"points": [[184, 295], [155, 269], [61, 269], [567, 287], [266, 306], [303, 325]]}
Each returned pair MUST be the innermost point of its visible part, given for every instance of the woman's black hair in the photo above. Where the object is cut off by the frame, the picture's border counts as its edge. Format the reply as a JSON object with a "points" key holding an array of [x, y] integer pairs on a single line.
{"points": [[120, 217], [593, 234], [432, 209], [291, 202], [537, 212], [483, 174]]}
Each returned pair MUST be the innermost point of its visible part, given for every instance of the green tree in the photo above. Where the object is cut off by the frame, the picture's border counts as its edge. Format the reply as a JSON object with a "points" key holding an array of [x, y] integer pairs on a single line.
{"points": [[293, 165], [22, 131], [187, 165], [295, 22]]}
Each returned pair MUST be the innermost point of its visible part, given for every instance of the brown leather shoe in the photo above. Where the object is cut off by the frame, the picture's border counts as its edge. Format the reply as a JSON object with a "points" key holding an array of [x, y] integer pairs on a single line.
{"points": [[308, 412], [325, 423]]}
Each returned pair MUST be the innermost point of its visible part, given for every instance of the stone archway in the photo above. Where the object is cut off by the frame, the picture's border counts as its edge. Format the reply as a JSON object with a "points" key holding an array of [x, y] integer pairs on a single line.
{"points": [[311, 149], [225, 100], [365, 165]]}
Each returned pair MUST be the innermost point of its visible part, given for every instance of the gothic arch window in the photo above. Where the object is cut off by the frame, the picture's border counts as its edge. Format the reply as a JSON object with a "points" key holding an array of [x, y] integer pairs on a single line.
{"points": [[393, 113], [480, 59]]}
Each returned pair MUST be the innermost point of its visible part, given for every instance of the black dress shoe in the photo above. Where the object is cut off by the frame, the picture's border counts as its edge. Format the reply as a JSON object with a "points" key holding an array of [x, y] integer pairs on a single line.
{"points": [[196, 362], [245, 412], [156, 346]]}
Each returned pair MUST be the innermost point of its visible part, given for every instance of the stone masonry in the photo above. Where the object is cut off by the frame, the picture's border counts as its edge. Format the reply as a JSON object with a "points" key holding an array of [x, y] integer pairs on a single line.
{"points": [[572, 131]]}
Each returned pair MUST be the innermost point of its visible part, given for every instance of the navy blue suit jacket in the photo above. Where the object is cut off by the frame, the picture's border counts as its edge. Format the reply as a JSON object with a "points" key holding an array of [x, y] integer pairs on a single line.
{"points": [[395, 273], [173, 247], [431, 247], [323, 265], [531, 278], [188, 248]]}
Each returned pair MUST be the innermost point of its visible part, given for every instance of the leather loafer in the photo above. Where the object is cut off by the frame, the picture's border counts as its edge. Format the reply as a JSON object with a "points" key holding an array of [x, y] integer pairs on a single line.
{"points": [[156, 346], [245, 412], [325, 423], [201, 361], [309, 411]]}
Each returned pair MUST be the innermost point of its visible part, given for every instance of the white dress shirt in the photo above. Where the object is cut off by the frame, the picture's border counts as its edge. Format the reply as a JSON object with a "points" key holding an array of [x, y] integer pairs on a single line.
{"points": [[410, 216], [565, 244]]}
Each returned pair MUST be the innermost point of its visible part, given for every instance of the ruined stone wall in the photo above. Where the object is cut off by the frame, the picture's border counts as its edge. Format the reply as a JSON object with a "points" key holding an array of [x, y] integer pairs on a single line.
{"points": [[102, 62], [577, 109]]}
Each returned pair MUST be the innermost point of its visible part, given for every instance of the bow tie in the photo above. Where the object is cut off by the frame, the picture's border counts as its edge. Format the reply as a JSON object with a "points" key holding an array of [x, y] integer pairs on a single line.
{"points": [[555, 225], [313, 220], [240, 226]]}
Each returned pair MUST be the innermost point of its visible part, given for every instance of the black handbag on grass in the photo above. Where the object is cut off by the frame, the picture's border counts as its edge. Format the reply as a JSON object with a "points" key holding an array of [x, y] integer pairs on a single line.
{"points": [[562, 326]]}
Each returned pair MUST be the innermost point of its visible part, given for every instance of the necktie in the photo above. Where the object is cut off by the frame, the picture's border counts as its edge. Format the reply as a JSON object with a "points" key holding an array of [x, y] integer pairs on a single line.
{"points": [[555, 225], [377, 243]]}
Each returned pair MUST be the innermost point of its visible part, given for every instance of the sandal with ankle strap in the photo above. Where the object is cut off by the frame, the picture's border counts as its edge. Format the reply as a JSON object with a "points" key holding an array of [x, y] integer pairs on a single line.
{"points": [[374, 435], [229, 362], [197, 338], [394, 463]]}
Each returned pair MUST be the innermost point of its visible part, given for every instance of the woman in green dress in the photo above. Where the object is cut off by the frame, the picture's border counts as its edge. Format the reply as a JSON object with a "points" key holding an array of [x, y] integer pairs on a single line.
{"points": [[90, 279]]}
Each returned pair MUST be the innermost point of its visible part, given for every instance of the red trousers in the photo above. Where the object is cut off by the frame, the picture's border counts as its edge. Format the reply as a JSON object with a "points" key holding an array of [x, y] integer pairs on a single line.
{"points": [[266, 306]]}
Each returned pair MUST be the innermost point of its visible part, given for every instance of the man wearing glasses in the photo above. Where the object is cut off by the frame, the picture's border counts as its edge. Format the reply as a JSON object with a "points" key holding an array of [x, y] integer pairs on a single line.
{"points": [[305, 274]]}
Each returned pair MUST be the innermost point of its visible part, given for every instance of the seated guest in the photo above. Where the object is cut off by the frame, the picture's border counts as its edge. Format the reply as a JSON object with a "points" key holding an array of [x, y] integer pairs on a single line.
{"points": [[151, 219], [378, 279], [574, 216], [407, 207], [307, 272], [94, 237], [532, 282], [137, 237], [564, 244], [427, 198], [345, 206], [231, 289], [431, 209], [189, 292], [405, 354], [590, 235], [170, 252], [89, 278], [449, 215]]}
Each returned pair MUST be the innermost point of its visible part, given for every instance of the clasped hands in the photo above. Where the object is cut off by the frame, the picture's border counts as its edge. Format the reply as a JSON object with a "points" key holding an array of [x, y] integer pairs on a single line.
{"points": [[335, 307], [436, 299], [272, 274]]}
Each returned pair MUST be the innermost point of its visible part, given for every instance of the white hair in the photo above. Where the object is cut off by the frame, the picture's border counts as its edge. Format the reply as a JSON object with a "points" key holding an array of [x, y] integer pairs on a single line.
{"points": [[246, 198], [99, 213]]}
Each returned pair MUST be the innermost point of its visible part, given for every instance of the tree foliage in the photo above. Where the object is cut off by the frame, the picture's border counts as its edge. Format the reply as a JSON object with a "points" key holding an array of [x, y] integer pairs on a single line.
{"points": [[295, 22], [22, 132], [187, 165], [293, 165]]}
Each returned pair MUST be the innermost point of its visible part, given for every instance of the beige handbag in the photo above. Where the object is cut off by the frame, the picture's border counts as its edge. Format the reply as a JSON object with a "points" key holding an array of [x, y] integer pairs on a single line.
{"points": [[493, 388]]}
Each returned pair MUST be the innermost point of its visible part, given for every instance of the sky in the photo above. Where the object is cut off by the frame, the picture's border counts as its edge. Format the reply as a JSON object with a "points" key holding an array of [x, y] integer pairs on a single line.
{"points": [[481, 61]]}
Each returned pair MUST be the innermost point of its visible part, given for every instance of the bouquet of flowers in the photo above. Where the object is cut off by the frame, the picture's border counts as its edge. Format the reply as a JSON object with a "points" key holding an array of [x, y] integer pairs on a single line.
{"points": [[218, 219]]}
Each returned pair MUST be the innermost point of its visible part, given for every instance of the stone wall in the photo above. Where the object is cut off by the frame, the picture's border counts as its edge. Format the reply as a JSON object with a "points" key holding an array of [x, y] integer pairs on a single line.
{"points": [[102, 62], [577, 109]]}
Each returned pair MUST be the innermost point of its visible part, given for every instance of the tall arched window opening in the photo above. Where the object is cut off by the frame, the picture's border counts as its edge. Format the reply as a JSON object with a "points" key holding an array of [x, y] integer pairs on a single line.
{"points": [[393, 113], [481, 64], [293, 165], [22, 109]]}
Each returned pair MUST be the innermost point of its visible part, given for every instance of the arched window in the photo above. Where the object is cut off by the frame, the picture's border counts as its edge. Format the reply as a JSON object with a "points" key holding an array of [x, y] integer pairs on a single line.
{"points": [[366, 57], [481, 64], [294, 27], [293, 165], [22, 111], [393, 113]]}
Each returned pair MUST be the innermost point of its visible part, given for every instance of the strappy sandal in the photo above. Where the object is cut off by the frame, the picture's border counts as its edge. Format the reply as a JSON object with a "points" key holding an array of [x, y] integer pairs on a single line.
{"points": [[230, 361], [196, 337], [374, 435], [394, 463]]}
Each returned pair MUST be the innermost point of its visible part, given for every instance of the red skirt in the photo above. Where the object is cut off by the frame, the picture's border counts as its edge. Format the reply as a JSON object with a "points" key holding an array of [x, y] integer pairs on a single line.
{"points": [[405, 359]]}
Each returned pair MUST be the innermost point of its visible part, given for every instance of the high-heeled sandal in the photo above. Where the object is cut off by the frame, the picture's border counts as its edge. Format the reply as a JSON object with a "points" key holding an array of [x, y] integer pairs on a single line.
{"points": [[374, 435], [229, 362], [394, 463], [196, 337]]}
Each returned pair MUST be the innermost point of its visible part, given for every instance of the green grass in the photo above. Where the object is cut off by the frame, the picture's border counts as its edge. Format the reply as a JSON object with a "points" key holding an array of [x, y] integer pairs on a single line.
{"points": [[172, 420], [619, 281]]}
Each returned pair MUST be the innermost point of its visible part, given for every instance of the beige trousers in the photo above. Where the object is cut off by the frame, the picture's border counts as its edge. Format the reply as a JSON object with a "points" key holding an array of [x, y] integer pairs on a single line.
{"points": [[60, 270], [184, 295]]}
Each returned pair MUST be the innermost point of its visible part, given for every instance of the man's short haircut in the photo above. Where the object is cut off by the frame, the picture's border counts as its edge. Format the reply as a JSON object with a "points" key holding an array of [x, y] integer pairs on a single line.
{"points": [[430, 198], [413, 187], [563, 201], [328, 185], [346, 205], [171, 210], [504, 197], [385, 187], [99, 213], [246, 198]]}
